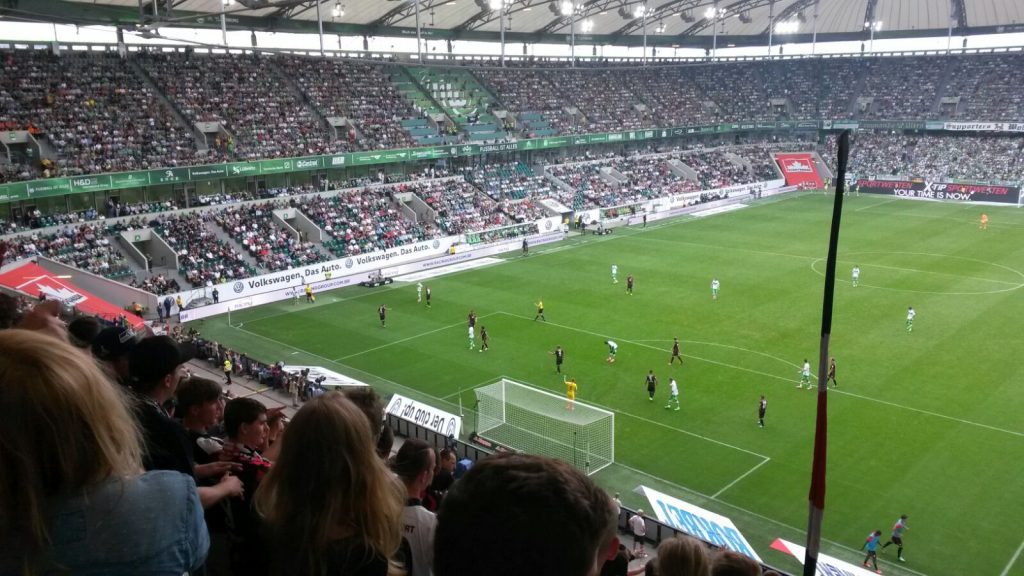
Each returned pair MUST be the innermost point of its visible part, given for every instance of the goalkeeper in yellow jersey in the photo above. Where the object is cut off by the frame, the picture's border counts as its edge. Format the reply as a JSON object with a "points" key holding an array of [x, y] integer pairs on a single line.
{"points": [[570, 392]]}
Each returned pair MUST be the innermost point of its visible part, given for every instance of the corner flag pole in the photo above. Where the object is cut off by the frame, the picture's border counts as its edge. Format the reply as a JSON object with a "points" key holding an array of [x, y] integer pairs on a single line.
{"points": [[816, 495]]}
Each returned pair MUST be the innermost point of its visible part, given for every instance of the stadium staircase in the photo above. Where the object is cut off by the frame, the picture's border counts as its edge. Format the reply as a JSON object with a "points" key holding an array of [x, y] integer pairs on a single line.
{"points": [[942, 90], [423, 130], [222, 235], [463, 99], [198, 139]]}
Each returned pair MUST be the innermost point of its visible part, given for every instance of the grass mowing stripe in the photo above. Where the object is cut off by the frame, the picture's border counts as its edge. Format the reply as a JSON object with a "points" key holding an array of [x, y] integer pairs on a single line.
{"points": [[413, 337]]}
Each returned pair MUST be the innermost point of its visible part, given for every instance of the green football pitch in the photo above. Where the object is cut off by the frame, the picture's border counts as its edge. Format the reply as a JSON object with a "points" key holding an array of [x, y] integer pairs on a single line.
{"points": [[926, 423]]}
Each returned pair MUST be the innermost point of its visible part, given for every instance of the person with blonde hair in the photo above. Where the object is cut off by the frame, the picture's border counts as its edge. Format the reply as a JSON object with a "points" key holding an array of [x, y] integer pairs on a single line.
{"points": [[329, 504], [682, 555], [73, 495]]}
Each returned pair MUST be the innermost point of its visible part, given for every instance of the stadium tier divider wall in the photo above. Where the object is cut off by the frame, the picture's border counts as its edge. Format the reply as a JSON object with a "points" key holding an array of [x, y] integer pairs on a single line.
{"points": [[656, 530], [41, 188]]}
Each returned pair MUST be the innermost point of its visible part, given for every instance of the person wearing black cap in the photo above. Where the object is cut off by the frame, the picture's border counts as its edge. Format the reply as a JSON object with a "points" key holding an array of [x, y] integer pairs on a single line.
{"points": [[111, 347], [156, 367]]}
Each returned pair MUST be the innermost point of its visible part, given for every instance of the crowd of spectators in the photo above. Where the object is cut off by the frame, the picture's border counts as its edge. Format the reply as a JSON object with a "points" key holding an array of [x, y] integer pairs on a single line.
{"points": [[988, 87], [934, 157], [904, 88], [95, 111], [203, 259], [84, 246], [271, 246], [100, 114], [266, 119], [362, 93], [361, 221], [459, 205]]}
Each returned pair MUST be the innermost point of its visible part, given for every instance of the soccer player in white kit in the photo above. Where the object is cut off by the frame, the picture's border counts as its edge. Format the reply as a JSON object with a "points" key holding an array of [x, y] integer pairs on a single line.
{"points": [[714, 288], [615, 274], [419, 292], [472, 338], [910, 319], [673, 394], [805, 375], [856, 275]]}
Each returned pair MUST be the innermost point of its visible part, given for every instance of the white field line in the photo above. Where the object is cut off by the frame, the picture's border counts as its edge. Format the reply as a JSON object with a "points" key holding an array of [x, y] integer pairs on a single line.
{"points": [[783, 378], [742, 476], [1013, 560], [413, 337]]}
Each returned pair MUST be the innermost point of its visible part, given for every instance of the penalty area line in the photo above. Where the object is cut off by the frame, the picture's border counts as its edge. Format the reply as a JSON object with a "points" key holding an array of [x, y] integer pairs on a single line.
{"points": [[1013, 560], [742, 476]]}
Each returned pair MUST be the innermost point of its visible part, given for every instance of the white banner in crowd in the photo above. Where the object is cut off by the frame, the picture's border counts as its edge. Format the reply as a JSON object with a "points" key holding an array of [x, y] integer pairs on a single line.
{"points": [[985, 126], [427, 416], [827, 565], [698, 522]]}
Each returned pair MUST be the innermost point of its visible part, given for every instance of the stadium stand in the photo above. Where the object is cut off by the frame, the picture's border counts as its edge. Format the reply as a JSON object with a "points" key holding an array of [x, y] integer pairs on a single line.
{"points": [[98, 115], [232, 90], [361, 221], [935, 157], [362, 94], [273, 247], [85, 246], [203, 259]]}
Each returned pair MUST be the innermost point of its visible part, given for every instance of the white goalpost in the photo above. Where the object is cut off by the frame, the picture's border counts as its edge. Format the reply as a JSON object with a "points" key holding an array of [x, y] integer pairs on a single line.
{"points": [[539, 422]]}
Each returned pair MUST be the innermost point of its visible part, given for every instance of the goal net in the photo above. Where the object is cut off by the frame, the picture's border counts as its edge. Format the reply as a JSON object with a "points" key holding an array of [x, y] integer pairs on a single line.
{"points": [[539, 422]]}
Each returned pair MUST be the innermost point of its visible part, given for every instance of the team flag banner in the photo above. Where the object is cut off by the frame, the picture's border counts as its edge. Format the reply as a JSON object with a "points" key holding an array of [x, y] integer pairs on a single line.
{"points": [[827, 565], [946, 191], [35, 280], [427, 416], [799, 170], [698, 522]]}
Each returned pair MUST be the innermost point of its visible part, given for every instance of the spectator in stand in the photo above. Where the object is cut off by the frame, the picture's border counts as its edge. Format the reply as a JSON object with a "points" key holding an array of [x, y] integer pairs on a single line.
{"points": [[682, 555], [156, 365], [414, 465], [502, 499], [112, 347], [83, 330], [729, 563], [443, 479], [74, 497], [330, 505], [200, 405], [248, 444]]}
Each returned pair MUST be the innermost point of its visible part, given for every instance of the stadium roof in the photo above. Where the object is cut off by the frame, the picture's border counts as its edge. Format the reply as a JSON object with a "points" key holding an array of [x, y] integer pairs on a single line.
{"points": [[678, 22]]}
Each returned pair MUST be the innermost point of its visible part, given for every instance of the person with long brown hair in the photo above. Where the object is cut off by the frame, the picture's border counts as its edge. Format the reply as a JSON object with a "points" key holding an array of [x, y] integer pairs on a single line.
{"points": [[329, 504], [73, 495], [682, 555]]}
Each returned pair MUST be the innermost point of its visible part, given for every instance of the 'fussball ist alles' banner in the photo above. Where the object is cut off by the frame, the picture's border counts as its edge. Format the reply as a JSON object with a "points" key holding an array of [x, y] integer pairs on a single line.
{"points": [[945, 191], [799, 170]]}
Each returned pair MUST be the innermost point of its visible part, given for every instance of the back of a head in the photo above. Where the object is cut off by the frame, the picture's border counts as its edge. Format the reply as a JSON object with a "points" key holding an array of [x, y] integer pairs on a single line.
{"points": [[370, 403], [729, 563], [328, 479], [515, 514], [83, 330], [413, 459], [683, 556], [63, 427]]}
